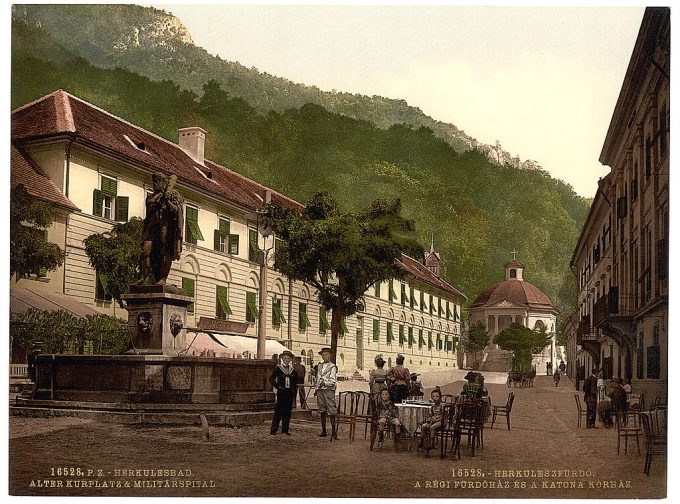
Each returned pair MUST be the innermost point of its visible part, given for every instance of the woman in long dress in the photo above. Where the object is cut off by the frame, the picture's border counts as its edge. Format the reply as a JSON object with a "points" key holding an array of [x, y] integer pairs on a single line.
{"points": [[376, 380]]}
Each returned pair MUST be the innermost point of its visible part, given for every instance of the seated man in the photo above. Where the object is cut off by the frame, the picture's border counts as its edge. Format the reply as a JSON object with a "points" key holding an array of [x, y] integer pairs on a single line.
{"points": [[433, 422], [472, 389]]}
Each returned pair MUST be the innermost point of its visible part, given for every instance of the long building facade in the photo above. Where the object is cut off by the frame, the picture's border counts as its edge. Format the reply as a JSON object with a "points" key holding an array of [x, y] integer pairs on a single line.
{"points": [[102, 165], [621, 259]]}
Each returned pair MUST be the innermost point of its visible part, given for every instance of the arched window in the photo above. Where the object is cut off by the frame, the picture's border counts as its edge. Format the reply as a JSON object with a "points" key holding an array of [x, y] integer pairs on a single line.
{"points": [[513, 273]]}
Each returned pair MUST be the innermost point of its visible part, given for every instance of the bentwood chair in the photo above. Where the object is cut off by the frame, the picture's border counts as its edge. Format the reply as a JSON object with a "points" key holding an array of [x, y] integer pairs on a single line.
{"points": [[628, 426], [580, 412], [504, 410], [362, 409], [655, 438], [346, 412]]}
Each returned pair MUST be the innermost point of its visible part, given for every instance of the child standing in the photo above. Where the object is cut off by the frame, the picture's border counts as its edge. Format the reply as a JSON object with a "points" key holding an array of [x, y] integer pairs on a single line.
{"points": [[284, 380]]}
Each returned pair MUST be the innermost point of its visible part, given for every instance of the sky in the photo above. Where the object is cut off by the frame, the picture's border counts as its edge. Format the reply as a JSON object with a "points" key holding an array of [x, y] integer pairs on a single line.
{"points": [[541, 80]]}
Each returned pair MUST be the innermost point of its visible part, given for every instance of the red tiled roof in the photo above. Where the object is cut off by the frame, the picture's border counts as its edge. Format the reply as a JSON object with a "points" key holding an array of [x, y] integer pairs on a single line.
{"points": [[420, 272], [516, 291], [24, 171], [60, 113]]}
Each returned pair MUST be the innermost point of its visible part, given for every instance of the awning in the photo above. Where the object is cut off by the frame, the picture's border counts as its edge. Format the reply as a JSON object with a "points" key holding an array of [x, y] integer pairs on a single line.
{"points": [[228, 345], [21, 300]]}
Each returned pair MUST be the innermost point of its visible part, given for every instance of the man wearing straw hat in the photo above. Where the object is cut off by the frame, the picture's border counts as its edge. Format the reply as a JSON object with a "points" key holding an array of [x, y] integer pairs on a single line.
{"points": [[326, 378]]}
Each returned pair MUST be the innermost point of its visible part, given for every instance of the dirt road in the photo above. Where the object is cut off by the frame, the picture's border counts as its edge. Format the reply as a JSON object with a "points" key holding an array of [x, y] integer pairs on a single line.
{"points": [[544, 455]]}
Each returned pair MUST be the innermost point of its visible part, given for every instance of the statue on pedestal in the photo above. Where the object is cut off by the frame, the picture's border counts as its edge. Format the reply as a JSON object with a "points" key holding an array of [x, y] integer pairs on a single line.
{"points": [[162, 233]]}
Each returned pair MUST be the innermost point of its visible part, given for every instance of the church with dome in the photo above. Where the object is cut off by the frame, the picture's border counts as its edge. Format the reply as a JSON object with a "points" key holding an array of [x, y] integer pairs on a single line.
{"points": [[516, 300]]}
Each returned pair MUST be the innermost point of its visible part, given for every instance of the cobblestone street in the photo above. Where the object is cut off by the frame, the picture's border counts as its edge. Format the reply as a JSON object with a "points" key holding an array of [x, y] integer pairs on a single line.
{"points": [[542, 454]]}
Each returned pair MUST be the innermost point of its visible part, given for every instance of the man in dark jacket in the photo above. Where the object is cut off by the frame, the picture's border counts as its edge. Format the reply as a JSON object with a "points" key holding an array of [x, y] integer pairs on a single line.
{"points": [[590, 398], [284, 380], [618, 397]]}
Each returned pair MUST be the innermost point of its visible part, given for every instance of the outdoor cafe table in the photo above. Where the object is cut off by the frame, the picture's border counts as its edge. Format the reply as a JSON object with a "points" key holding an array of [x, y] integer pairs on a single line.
{"points": [[412, 415]]}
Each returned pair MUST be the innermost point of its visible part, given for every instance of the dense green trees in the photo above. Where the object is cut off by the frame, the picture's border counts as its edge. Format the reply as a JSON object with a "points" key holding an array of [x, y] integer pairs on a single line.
{"points": [[115, 256], [477, 211], [338, 253], [29, 250], [62, 332], [522, 341]]}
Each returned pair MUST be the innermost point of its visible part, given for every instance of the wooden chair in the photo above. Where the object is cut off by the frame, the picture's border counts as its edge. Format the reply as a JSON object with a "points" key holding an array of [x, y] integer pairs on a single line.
{"points": [[580, 412], [655, 440], [447, 430], [636, 402], [346, 412], [504, 410], [470, 416], [362, 409], [448, 399], [627, 425]]}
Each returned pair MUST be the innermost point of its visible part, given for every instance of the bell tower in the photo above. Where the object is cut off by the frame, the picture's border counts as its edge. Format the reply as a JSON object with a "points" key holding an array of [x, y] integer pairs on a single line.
{"points": [[432, 259]]}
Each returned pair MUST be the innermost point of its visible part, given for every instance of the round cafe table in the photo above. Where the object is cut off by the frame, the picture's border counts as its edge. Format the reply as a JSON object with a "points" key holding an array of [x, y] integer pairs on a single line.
{"points": [[412, 416]]}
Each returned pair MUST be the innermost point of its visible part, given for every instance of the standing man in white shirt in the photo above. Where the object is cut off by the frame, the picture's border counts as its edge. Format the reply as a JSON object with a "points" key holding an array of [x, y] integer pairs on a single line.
{"points": [[326, 378]]}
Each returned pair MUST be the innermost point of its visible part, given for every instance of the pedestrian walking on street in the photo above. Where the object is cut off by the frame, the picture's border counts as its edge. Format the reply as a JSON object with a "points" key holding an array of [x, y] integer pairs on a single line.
{"points": [[284, 380], [301, 372], [590, 398], [563, 368], [326, 379], [556, 377]]}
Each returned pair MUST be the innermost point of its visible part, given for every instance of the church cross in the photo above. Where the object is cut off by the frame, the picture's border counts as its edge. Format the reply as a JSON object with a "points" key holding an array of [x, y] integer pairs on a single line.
{"points": [[514, 253]]}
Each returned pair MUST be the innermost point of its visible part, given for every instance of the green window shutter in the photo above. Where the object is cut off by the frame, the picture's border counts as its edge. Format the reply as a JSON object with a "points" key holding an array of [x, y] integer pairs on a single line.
{"points": [[421, 340], [401, 334], [192, 223], [376, 330], [195, 230], [448, 311], [303, 318], [253, 249], [343, 325], [97, 203], [404, 298], [222, 300], [423, 303], [456, 315], [104, 281], [233, 244], [439, 341], [224, 227], [252, 313], [277, 315], [431, 304], [109, 186], [217, 236], [189, 285], [122, 204], [411, 341], [446, 343], [323, 320], [429, 340], [392, 294], [390, 336], [376, 293], [414, 303]]}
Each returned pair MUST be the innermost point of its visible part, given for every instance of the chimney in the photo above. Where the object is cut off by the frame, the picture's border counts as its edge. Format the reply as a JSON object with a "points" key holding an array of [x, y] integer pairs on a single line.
{"points": [[192, 141]]}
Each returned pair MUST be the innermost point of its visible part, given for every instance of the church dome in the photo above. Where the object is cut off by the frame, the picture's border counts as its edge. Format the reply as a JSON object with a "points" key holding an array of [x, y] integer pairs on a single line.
{"points": [[514, 289], [517, 292]]}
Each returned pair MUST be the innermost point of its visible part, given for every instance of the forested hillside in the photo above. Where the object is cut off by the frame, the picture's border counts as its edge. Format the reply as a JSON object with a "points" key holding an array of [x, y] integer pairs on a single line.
{"points": [[477, 211], [155, 44]]}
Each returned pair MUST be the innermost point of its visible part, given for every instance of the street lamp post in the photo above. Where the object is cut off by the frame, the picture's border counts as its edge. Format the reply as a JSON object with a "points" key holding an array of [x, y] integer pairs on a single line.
{"points": [[262, 320]]}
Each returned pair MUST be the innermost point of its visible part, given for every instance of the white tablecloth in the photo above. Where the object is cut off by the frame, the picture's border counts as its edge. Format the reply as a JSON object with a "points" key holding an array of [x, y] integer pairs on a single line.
{"points": [[412, 415]]}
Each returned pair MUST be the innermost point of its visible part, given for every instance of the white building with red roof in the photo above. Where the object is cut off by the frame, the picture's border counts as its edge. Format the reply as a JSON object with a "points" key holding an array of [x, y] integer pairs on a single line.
{"points": [[99, 166], [514, 300]]}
